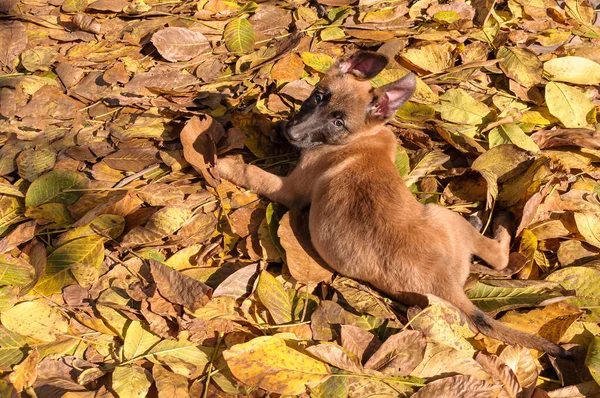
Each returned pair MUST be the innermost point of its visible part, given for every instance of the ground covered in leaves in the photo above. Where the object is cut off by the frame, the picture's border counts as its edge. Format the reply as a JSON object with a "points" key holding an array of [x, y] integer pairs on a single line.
{"points": [[128, 269]]}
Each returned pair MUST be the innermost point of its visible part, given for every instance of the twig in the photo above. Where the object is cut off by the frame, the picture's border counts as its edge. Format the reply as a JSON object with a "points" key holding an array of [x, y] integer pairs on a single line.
{"points": [[135, 176]]}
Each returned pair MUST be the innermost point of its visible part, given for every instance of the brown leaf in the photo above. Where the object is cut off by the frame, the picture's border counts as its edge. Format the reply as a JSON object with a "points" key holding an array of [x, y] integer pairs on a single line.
{"points": [[132, 159], [302, 259], [238, 284], [501, 374], [358, 341], [13, 40], [460, 386], [337, 356], [23, 233], [179, 44], [87, 23], [399, 354], [583, 138], [108, 5], [199, 138], [178, 288]]}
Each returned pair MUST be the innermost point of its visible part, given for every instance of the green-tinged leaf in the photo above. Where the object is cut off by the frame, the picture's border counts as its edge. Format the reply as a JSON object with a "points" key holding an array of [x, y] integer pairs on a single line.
{"points": [[51, 187], [267, 362], [362, 299], [11, 349], [11, 209], [37, 320], [427, 164], [512, 134], [333, 33], [271, 294], [568, 104], [131, 381], [239, 36], [88, 251], [15, 271], [588, 225], [138, 340], [181, 349], [592, 359], [521, 65], [317, 61], [585, 281], [498, 163], [576, 70], [458, 106], [501, 295]]}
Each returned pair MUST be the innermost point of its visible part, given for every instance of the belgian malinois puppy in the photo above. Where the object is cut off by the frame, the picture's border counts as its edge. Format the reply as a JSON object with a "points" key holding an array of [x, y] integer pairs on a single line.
{"points": [[363, 220]]}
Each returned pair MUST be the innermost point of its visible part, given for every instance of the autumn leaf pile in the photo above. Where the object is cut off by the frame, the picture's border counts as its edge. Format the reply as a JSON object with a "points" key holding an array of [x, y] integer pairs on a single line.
{"points": [[129, 269]]}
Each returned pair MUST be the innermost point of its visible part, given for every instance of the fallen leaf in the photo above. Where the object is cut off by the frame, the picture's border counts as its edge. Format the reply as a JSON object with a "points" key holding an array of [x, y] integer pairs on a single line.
{"points": [[37, 320], [576, 70], [568, 104], [460, 386], [179, 44], [267, 362], [178, 288]]}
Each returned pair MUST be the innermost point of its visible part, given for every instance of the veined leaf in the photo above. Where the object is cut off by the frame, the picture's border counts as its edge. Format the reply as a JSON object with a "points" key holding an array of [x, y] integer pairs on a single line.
{"points": [[131, 381], [271, 294], [568, 104], [51, 187], [501, 295], [138, 340], [239, 36], [267, 362]]}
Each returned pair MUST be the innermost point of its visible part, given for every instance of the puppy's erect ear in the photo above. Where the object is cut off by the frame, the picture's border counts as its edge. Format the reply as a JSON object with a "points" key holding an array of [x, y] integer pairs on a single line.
{"points": [[364, 64], [389, 98]]}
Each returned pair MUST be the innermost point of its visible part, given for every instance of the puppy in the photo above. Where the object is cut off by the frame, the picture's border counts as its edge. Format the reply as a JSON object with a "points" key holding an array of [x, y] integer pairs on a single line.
{"points": [[363, 220]]}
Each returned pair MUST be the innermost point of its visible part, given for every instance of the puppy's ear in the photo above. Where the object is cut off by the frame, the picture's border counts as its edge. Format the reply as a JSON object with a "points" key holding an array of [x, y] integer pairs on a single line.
{"points": [[389, 98], [364, 64]]}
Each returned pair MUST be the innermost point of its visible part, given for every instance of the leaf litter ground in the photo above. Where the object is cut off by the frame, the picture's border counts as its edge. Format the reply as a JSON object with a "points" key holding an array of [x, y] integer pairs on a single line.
{"points": [[129, 269]]}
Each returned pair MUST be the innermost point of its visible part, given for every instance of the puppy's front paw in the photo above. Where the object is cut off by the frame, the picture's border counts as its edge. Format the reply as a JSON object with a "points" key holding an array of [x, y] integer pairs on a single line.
{"points": [[229, 167]]}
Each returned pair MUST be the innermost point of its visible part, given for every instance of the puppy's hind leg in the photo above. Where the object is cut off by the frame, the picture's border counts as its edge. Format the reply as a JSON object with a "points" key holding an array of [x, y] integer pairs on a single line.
{"points": [[495, 251]]}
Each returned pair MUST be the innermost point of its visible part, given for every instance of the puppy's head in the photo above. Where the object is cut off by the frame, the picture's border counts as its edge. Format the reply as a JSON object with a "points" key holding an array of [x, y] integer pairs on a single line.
{"points": [[344, 104]]}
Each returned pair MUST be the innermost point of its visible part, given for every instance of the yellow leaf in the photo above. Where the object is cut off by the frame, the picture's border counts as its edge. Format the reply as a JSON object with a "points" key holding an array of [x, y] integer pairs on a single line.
{"points": [[138, 340], [568, 104], [576, 70], [131, 381], [267, 362], [36, 320], [271, 294], [457, 106], [432, 57], [318, 61], [521, 65], [588, 225]]}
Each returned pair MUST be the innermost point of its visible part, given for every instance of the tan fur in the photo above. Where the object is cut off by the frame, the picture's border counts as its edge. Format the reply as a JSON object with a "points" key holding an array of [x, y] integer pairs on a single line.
{"points": [[366, 224]]}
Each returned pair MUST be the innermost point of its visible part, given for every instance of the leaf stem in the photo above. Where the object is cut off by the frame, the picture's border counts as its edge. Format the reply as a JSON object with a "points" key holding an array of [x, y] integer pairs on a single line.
{"points": [[210, 365], [394, 379]]}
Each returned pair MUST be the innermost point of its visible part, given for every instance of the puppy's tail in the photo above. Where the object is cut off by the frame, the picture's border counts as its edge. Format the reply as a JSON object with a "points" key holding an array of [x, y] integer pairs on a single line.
{"points": [[497, 330]]}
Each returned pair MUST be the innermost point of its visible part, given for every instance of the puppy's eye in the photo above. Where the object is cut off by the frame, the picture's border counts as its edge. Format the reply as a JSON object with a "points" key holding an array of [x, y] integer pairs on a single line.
{"points": [[338, 123], [318, 98]]}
